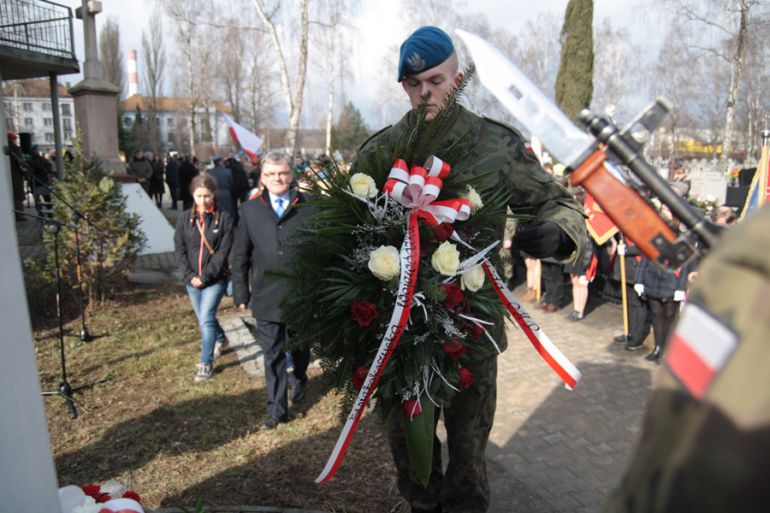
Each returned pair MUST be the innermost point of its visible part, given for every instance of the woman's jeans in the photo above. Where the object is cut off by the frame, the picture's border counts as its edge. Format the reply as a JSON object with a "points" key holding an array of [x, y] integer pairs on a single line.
{"points": [[205, 302]]}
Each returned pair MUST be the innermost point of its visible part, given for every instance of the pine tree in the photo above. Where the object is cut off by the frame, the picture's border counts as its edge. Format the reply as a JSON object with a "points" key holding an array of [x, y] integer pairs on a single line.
{"points": [[111, 239], [350, 132], [574, 83]]}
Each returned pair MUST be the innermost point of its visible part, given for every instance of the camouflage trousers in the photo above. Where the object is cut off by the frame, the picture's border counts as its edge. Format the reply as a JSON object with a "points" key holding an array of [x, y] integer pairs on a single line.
{"points": [[468, 419]]}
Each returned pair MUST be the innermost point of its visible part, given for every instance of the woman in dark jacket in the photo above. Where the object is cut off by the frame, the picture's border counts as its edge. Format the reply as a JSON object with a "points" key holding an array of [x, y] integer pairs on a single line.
{"points": [[202, 242], [156, 181]]}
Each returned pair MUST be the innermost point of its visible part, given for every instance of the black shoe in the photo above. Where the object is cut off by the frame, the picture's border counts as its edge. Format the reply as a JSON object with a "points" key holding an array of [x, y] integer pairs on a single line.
{"points": [[272, 422], [574, 316], [298, 394], [633, 345], [654, 356], [620, 339]]}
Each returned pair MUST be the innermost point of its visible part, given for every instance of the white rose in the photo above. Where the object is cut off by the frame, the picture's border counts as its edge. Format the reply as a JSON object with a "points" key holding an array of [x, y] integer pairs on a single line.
{"points": [[472, 279], [385, 263], [474, 198], [446, 259], [363, 185]]}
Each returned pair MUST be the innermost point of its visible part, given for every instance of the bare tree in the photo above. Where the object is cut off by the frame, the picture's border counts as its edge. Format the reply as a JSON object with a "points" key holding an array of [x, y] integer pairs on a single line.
{"points": [[187, 16], [110, 54], [292, 98], [330, 42], [721, 29], [232, 67], [154, 63], [754, 113], [260, 93], [613, 84]]}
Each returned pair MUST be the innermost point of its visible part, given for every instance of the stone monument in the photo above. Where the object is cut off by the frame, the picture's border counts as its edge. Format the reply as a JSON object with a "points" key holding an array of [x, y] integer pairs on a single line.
{"points": [[96, 99]]}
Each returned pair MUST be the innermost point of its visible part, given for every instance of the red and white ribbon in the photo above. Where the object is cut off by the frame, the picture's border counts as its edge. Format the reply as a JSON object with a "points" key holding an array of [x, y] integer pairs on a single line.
{"points": [[410, 261], [543, 345], [419, 187]]}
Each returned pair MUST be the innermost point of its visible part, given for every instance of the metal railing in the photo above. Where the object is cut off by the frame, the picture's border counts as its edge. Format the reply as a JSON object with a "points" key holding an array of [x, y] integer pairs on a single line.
{"points": [[37, 26]]}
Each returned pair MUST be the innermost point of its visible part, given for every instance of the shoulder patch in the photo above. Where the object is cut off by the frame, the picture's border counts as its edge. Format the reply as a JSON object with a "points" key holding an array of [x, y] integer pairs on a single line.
{"points": [[699, 349], [374, 136]]}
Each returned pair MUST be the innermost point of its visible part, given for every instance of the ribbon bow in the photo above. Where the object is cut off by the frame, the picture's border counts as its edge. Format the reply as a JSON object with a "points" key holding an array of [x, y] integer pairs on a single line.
{"points": [[419, 187]]}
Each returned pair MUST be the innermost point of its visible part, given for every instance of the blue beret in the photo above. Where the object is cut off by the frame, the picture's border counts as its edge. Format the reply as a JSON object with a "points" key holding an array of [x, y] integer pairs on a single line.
{"points": [[425, 48]]}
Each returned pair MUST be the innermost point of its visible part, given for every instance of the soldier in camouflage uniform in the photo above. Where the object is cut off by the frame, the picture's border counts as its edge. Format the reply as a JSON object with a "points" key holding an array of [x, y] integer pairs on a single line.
{"points": [[429, 64], [706, 440]]}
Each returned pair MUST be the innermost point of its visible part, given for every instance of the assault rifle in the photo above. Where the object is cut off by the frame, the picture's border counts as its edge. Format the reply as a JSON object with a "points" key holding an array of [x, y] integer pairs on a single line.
{"points": [[591, 160]]}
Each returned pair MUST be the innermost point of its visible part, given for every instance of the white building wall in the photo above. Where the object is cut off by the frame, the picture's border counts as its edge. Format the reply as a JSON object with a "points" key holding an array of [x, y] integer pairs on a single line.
{"points": [[34, 115]]}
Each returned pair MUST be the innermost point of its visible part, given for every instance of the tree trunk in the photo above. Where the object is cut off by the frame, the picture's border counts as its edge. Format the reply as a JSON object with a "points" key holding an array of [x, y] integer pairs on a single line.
{"points": [[736, 69], [329, 112], [293, 104]]}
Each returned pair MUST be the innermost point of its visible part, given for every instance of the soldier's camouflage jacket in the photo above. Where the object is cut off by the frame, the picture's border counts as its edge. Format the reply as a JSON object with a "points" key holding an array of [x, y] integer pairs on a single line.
{"points": [[706, 440]]}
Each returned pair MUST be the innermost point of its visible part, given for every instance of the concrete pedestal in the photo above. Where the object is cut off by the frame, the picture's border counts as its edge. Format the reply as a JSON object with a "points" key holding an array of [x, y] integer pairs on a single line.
{"points": [[97, 114]]}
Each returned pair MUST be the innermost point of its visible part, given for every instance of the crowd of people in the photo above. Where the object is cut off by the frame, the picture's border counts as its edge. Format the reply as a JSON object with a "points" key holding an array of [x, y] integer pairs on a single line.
{"points": [[235, 221], [237, 214]]}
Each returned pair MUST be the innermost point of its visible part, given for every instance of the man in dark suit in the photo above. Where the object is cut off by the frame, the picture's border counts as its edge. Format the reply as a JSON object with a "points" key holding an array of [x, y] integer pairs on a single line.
{"points": [[266, 223]]}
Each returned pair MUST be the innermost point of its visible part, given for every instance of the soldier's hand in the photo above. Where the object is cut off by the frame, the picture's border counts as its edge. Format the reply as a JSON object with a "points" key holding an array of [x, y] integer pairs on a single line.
{"points": [[639, 288], [543, 239], [242, 307]]}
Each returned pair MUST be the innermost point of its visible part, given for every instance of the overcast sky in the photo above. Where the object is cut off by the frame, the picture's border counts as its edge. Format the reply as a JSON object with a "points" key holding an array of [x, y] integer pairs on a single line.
{"points": [[379, 28]]}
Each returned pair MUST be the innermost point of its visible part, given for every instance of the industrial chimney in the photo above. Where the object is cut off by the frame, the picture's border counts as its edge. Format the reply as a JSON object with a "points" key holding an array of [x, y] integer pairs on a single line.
{"points": [[133, 76]]}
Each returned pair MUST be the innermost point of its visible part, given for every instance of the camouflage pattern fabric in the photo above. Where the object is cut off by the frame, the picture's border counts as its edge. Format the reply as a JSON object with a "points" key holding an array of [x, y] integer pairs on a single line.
{"points": [[707, 448], [468, 420]]}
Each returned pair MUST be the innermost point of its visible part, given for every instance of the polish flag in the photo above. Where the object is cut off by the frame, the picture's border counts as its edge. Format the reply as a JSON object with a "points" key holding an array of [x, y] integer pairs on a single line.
{"points": [[249, 141], [699, 348]]}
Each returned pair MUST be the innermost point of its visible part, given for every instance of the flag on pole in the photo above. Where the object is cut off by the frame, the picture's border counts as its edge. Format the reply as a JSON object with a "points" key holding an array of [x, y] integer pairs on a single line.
{"points": [[599, 224], [759, 191], [249, 141]]}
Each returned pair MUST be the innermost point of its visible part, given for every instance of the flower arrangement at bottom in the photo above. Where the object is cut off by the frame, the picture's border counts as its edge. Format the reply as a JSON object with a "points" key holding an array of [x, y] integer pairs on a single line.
{"points": [[110, 497], [399, 235]]}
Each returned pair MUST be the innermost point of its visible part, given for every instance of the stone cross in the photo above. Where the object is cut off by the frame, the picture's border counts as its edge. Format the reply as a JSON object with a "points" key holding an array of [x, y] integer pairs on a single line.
{"points": [[87, 12]]}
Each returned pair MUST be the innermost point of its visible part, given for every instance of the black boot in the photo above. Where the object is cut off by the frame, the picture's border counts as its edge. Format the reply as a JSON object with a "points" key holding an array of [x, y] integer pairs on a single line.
{"points": [[654, 356]]}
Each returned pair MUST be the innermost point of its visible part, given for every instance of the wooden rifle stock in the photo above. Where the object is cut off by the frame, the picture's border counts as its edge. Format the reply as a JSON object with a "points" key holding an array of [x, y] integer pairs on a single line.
{"points": [[634, 216]]}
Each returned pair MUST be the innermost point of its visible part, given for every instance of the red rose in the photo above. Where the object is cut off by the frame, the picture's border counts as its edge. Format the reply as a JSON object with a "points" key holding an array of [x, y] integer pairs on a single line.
{"points": [[454, 295], [466, 378], [412, 408], [443, 231], [476, 330], [454, 349], [130, 494], [92, 490], [359, 376], [363, 312]]}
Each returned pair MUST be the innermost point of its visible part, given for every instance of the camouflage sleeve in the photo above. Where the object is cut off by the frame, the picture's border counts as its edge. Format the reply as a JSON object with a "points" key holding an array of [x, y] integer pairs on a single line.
{"points": [[707, 429], [535, 193]]}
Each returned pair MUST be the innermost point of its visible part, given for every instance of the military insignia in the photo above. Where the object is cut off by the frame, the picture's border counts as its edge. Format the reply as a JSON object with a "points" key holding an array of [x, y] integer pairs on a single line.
{"points": [[416, 62], [699, 349]]}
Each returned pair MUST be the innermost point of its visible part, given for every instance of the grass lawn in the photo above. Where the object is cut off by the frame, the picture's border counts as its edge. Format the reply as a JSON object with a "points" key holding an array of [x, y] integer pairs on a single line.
{"points": [[175, 441]]}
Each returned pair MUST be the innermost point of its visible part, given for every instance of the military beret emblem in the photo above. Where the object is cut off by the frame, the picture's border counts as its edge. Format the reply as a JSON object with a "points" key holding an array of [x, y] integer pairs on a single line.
{"points": [[416, 62]]}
